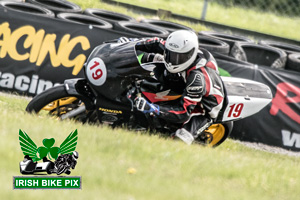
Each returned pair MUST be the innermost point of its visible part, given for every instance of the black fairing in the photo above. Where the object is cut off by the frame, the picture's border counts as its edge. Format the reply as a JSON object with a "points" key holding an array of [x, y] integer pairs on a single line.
{"points": [[121, 63]]}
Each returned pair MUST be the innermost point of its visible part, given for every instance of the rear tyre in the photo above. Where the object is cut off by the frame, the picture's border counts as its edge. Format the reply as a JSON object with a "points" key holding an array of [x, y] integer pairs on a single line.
{"points": [[215, 135]]}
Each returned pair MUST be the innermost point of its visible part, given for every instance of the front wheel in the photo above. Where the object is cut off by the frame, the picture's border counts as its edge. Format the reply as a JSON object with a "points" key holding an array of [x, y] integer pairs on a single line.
{"points": [[57, 102], [215, 134], [61, 169]]}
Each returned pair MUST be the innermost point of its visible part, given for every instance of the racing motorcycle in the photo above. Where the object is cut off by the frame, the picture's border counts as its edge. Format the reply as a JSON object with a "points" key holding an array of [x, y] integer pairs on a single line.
{"points": [[114, 78]]}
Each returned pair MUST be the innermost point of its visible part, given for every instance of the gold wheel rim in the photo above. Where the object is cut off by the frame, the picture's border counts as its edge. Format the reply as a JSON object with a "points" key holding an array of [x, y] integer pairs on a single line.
{"points": [[59, 102], [218, 132]]}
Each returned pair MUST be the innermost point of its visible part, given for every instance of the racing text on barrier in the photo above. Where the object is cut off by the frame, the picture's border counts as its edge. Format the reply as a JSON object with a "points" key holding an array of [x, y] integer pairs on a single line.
{"points": [[39, 44]]}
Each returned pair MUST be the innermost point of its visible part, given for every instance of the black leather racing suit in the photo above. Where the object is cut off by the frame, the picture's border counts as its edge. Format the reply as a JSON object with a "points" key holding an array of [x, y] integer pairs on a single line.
{"points": [[203, 92]]}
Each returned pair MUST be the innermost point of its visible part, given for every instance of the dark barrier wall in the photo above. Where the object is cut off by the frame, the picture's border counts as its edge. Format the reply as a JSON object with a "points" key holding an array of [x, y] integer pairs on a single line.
{"points": [[279, 123], [37, 52]]}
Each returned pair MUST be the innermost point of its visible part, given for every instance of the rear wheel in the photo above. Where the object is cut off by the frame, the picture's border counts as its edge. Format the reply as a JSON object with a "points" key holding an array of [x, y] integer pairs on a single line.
{"points": [[57, 102], [215, 134]]}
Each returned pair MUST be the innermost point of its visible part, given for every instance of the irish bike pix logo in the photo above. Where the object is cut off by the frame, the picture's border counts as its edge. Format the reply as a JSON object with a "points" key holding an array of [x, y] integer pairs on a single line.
{"points": [[46, 161]]}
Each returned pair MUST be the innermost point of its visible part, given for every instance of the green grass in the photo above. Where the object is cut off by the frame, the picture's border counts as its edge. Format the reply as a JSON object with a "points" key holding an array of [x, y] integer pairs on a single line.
{"points": [[264, 22], [119, 9], [165, 168]]}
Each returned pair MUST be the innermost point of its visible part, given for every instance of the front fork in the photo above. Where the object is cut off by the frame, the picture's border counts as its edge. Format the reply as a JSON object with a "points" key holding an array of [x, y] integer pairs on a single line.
{"points": [[81, 89]]}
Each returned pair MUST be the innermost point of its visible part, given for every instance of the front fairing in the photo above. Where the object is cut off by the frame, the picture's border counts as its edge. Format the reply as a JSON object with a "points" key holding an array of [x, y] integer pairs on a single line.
{"points": [[118, 62]]}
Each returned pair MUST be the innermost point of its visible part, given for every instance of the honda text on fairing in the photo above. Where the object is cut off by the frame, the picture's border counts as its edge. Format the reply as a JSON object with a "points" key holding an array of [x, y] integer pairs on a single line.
{"points": [[114, 77]]}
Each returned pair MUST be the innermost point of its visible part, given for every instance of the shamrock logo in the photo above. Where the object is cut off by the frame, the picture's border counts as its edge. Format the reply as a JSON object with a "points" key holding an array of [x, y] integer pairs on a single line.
{"points": [[48, 150], [29, 147]]}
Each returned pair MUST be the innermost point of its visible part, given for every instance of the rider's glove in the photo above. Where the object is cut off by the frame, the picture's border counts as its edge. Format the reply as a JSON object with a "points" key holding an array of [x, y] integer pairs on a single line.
{"points": [[152, 57], [144, 106], [158, 58], [154, 40]]}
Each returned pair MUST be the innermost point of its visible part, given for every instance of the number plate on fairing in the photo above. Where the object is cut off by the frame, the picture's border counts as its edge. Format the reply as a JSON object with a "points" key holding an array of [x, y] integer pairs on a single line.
{"points": [[245, 98], [96, 71]]}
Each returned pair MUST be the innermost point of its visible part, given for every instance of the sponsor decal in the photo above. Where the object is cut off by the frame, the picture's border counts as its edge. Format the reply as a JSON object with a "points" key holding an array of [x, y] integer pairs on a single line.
{"points": [[48, 159], [174, 45], [111, 111], [24, 83], [290, 139], [196, 86], [161, 96], [96, 71], [37, 44], [286, 95]]}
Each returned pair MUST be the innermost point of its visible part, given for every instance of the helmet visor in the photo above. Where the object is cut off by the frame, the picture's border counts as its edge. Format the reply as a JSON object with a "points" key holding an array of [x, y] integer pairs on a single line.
{"points": [[177, 58]]}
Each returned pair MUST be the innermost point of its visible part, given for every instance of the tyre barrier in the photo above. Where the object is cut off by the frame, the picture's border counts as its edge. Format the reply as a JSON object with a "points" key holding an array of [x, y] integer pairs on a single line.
{"points": [[169, 26], [293, 62], [85, 19], [230, 39], [13, 0], [288, 48], [26, 8], [259, 54], [57, 6], [213, 45], [141, 29], [220, 56], [111, 17]]}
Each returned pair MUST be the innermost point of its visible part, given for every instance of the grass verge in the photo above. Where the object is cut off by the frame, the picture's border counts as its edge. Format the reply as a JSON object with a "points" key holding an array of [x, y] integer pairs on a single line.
{"points": [[164, 168], [119, 9], [265, 22]]}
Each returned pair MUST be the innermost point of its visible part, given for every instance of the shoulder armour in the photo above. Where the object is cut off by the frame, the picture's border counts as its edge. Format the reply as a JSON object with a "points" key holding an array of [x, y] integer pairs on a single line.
{"points": [[195, 83]]}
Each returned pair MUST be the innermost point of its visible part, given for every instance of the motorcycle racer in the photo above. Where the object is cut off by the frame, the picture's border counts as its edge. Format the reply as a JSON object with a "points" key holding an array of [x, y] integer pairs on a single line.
{"points": [[69, 160], [187, 68]]}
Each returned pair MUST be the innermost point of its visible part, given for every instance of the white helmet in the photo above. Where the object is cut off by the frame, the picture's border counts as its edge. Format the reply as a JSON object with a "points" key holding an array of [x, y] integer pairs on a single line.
{"points": [[181, 49]]}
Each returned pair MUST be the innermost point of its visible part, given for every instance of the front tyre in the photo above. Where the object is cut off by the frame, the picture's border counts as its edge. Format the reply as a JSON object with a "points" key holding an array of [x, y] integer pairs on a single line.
{"points": [[56, 102]]}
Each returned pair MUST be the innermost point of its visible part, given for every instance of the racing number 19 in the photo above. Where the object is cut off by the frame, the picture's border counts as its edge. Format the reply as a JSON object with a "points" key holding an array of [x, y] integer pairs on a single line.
{"points": [[235, 110], [98, 73]]}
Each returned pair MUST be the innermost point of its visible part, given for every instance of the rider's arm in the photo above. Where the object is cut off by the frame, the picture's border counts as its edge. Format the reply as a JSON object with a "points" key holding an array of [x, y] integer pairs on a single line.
{"points": [[150, 50], [195, 89], [151, 45]]}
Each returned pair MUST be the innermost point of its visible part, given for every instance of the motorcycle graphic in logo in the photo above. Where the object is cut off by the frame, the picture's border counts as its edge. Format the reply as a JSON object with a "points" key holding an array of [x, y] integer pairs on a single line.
{"points": [[65, 157]]}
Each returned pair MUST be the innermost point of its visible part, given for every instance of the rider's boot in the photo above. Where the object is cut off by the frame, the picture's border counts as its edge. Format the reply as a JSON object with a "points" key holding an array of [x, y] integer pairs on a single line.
{"points": [[193, 128]]}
